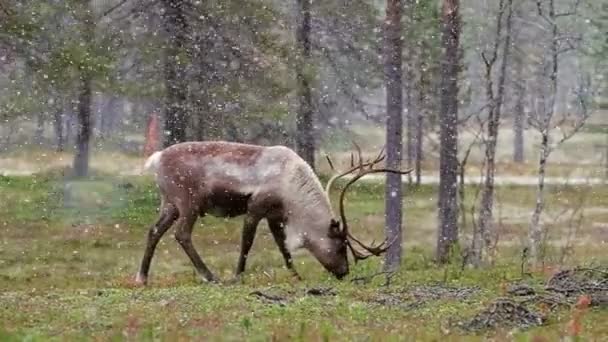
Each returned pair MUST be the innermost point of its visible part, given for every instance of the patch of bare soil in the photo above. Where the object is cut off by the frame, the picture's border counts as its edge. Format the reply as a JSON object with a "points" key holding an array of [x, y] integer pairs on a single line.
{"points": [[580, 281], [270, 298], [283, 298], [526, 306], [504, 312], [321, 291]]}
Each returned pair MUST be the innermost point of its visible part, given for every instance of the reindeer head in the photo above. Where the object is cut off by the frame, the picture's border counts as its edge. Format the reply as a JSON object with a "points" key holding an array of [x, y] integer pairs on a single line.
{"points": [[331, 250], [340, 240]]}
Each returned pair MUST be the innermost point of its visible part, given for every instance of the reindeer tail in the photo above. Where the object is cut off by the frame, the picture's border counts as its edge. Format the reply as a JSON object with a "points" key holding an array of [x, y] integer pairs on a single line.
{"points": [[152, 162]]}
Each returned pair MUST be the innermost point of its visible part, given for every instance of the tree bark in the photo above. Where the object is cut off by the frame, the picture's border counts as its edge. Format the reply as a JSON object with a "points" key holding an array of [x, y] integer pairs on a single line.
{"points": [[58, 126], [415, 121], [486, 215], [85, 93], [419, 117], [410, 87], [83, 134], [200, 127], [447, 235], [108, 117], [519, 115], [305, 140], [69, 126], [411, 111], [393, 50], [176, 111], [39, 133], [606, 158], [536, 230]]}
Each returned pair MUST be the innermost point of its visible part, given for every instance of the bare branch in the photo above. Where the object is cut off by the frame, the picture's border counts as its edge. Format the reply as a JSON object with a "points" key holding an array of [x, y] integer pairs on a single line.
{"points": [[5, 9], [539, 7], [571, 12], [112, 9], [485, 60], [567, 135], [334, 65], [139, 8]]}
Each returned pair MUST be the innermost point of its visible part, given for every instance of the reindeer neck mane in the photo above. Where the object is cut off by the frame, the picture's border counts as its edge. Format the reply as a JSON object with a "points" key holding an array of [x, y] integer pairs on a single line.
{"points": [[306, 190]]}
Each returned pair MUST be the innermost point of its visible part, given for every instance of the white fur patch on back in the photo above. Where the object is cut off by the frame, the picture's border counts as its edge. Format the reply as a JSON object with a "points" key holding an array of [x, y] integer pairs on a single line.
{"points": [[152, 162]]}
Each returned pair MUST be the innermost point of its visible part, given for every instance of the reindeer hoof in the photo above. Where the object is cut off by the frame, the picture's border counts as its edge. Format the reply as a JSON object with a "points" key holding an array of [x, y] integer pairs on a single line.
{"points": [[211, 279]]}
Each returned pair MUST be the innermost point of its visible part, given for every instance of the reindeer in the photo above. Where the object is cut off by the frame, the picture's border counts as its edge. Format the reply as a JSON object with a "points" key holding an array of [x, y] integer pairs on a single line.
{"points": [[227, 179]]}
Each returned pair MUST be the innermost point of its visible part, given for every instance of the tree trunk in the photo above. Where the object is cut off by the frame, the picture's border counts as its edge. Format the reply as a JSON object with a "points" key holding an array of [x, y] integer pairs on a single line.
{"points": [[305, 140], [232, 133], [519, 115], [410, 86], [39, 133], [415, 120], [176, 114], [69, 128], [486, 215], [200, 128], [108, 116], [394, 126], [58, 126], [419, 119], [447, 235], [536, 230], [606, 158], [83, 134], [85, 94], [411, 114]]}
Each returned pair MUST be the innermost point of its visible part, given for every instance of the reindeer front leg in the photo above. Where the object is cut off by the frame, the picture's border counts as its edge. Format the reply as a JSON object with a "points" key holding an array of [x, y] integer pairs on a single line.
{"points": [[250, 226], [278, 232]]}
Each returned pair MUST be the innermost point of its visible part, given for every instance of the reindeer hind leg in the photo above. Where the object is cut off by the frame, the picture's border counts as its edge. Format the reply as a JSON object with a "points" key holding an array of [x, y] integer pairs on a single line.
{"points": [[168, 215], [183, 235]]}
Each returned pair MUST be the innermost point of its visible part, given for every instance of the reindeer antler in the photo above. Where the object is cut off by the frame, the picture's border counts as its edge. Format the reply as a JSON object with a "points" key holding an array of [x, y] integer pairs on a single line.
{"points": [[353, 167], [364, 168]]}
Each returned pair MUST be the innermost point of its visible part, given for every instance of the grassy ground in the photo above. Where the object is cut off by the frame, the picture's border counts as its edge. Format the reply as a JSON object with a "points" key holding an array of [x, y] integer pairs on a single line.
{"points": [[69, 251]]}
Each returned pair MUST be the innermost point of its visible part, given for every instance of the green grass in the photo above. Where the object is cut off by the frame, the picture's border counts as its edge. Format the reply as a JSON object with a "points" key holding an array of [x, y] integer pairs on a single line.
{"points": [[69, 250]]}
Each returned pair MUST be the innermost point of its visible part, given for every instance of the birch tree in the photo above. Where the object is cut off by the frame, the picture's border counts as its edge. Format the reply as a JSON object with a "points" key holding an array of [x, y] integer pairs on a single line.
{"points": [[545, 120], [483, 234]]}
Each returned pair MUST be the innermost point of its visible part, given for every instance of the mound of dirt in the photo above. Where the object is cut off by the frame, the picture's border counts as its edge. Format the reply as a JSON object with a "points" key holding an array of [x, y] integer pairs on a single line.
{"points": [[503, 313], [562, 290], [521, 290], [578, 281]]}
